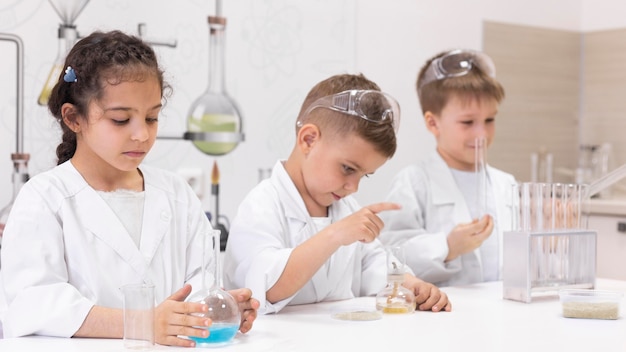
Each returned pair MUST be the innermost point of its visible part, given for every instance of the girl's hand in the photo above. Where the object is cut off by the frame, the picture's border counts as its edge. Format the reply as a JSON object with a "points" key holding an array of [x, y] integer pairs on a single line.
{"points": [[248, 307], [174, 317]]}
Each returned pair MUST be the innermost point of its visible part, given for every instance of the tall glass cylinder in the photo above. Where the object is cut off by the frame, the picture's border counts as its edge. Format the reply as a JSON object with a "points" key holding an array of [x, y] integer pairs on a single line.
{"points": [[214, 122], [223, 308], [480, 150]]}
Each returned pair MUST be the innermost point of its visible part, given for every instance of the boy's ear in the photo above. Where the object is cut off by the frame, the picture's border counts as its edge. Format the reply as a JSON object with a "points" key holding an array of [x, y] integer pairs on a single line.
{"points": [[432, 123], [307, 136], [70, 117]]}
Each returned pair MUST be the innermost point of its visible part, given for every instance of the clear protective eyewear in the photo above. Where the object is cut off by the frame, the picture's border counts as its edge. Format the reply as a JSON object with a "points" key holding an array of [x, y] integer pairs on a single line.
{"points": [[371, 105], [457, 63]]}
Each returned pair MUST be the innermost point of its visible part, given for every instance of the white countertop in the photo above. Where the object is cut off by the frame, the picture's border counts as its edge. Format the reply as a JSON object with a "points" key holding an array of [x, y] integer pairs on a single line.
{"points": [[480, 321]]}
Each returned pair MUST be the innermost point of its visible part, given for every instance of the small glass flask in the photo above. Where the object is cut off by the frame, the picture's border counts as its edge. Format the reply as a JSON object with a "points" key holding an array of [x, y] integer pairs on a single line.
{"points": [[223, 308], [214, 123], [395, 298], [20, 176]]}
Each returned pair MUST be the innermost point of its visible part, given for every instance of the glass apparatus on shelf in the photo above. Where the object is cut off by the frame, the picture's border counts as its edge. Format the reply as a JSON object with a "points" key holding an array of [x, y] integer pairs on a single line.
{"points": [[214, 123], [223, 308], [395, 298], [68, 10], [19, 158]]}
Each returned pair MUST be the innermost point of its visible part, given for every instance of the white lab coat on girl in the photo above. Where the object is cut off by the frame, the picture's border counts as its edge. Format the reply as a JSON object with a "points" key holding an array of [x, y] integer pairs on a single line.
{"points": [[64, 250], [271, 221], [432, 205]]}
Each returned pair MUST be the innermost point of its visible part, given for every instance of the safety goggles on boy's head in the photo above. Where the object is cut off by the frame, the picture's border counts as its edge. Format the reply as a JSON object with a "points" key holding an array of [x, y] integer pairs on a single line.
{"points": [[371, 105], [457, 63]]}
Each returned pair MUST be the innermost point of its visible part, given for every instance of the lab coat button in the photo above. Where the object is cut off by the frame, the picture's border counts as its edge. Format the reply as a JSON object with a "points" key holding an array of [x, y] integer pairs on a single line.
{"points": [[165, 216]]}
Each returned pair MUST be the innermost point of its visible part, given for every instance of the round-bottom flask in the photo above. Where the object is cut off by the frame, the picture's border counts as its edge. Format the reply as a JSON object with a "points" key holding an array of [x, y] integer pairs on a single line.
{"points": [[395, 298], [223, 308]]}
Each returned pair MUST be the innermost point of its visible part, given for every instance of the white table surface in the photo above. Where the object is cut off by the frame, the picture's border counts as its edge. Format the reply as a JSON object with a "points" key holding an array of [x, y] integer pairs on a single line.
{"points": [[480, 321]]}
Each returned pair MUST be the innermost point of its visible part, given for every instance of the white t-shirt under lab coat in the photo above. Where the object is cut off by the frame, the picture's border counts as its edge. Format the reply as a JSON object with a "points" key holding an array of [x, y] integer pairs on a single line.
{"points": [[271, 221], [64, 250]]}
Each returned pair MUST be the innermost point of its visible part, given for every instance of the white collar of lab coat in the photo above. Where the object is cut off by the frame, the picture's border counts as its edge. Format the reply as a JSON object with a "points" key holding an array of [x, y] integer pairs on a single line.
{"points": [[99, 219]]}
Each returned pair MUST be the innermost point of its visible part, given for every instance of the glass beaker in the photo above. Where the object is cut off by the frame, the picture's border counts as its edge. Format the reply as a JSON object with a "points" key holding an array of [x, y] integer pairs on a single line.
{"points": [[138, 316], [214, 123], [223, 308], [395, 298]]}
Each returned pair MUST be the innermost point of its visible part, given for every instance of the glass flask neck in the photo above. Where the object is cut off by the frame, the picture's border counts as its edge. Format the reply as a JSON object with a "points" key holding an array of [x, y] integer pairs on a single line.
{"points": [[211, 279], [217, 40]]}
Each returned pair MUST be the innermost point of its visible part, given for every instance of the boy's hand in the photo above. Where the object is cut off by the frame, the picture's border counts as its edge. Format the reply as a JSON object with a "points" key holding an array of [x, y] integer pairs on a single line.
{"points": [[364, 225], [173, 317], [427, 295], [465, 238]]}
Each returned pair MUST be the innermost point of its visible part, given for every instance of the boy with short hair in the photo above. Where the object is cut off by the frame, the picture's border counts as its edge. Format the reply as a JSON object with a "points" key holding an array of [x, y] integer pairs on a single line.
{"points": [[448, 239], [298, 236]]}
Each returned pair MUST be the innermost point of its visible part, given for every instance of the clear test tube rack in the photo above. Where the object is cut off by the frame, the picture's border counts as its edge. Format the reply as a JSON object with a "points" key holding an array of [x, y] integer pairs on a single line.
{"points": [[549, 248]]}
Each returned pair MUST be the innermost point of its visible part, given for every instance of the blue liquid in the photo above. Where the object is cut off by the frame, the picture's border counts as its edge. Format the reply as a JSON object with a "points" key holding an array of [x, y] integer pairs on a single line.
{"points": [[218, 333]]}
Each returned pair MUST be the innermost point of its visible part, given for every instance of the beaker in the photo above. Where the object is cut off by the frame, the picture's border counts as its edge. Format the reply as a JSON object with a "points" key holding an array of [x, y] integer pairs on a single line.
{"points": [[214, 122], [138, 316], [223, 308], [395, 298]]}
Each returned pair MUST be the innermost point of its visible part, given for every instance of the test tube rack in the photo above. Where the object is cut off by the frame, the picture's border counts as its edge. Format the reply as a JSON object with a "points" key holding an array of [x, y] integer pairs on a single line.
{"points": [[541, 263]]}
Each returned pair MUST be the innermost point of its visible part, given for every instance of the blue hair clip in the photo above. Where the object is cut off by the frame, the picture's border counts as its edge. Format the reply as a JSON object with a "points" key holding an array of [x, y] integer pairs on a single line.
{"points": [[70, 75]]}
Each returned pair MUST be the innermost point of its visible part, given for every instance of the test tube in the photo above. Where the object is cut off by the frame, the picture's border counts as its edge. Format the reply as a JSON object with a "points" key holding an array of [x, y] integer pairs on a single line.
{"points": [[480, 150], [525, 201]]}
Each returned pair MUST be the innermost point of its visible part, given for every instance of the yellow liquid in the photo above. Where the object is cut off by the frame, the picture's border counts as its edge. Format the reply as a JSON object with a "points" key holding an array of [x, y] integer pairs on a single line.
{"points": [[214, 123], [53, 77], [396, 310]]}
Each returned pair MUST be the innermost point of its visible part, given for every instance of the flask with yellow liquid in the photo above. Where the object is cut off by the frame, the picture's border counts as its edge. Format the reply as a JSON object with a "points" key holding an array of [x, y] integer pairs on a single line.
{"points": [[395, 298], [214, 122]]}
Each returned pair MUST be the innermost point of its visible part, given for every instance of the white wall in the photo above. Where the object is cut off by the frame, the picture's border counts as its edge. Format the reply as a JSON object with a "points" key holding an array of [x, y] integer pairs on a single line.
{"points": [[276, 50]]}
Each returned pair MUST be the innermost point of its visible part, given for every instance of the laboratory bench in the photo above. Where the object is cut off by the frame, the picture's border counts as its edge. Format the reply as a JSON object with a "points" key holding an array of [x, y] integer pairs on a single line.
{"points": [[481, 320]]}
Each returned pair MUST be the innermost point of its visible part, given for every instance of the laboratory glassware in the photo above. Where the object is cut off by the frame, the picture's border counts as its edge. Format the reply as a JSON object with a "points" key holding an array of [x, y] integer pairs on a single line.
{"points": [[214, 123], [549, 247], [19, 158], [68, 10], [395, 298], [480, 152], [223, 308], [138, 316]]}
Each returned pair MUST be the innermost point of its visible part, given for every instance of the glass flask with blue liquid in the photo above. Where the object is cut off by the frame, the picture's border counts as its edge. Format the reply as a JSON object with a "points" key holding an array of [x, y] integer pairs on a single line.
{"points": [[223, 308]]}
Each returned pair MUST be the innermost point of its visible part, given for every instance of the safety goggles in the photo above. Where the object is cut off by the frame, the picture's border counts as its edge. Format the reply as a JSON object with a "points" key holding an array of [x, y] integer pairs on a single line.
{"points": [[457, 63], [370, 105]]}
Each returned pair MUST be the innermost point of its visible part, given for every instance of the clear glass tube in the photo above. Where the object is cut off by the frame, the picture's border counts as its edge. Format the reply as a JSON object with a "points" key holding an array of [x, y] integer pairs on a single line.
{"points": [[480, 150]]}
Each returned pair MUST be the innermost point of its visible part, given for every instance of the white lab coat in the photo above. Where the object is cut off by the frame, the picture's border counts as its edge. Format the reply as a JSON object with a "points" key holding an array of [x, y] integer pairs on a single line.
{"points": [[271, 221], [432, 205], [64, 250]]}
